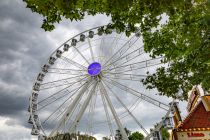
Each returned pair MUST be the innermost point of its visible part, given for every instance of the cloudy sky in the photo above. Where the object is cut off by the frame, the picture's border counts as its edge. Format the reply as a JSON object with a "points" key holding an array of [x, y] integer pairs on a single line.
{"points": [[24, 47]]}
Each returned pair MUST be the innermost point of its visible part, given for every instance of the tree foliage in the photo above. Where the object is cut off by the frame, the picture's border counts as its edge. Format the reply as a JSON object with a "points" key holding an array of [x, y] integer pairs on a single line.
{"points": [[165, 134], [185, 43], [136, 136], [183, 40]]}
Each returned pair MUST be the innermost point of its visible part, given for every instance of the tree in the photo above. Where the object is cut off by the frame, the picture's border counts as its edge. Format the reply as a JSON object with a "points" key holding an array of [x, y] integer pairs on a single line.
{"points": [[165, 134], [136, 136], [183, 41]]}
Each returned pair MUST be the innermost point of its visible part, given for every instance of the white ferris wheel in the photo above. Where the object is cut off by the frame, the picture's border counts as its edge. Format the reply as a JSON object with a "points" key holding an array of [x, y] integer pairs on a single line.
{"points": [[92, 84]]}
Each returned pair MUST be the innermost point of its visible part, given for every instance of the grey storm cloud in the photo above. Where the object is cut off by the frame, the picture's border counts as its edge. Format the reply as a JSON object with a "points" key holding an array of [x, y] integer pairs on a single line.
{"points": [[24, 47]]}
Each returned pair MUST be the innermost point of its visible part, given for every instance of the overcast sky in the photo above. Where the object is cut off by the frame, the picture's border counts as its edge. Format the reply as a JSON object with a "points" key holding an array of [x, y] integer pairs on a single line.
{"points": [[24, 47]]}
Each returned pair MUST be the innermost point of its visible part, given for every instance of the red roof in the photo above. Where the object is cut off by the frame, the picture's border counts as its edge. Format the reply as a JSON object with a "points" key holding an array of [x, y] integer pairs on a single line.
{"points": [[197, 118]]}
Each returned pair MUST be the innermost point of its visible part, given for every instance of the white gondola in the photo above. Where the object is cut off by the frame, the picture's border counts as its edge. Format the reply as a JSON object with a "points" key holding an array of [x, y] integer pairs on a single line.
{"points": [[100, 31], [40, 77], [30, 120], [74, 42], [91, 34], [38, 124], [45, 68], [36, 86], [34, 107], [34, 131], [35, 119], [108, 31], [82, 37], [52, 60], [41, 137], [127, 28], [29, 107], [118, 31], [34, 97], [66, 47], [58, 53], [167, 123], [137, 33]]}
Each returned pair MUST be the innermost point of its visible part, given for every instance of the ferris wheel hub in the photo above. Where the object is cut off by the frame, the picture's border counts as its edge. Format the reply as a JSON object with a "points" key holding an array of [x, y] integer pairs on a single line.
{"points": [[94, 69]]}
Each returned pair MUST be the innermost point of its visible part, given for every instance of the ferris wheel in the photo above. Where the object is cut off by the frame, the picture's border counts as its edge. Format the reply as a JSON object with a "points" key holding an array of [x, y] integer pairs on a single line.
{"points": [[92, 84]]}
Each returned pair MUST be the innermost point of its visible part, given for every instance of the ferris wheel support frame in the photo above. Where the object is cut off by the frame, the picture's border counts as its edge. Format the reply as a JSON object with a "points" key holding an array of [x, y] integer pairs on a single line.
{"points": [[135, 119], [116, 57], [70, 109], [114, 113], [83, 108]]}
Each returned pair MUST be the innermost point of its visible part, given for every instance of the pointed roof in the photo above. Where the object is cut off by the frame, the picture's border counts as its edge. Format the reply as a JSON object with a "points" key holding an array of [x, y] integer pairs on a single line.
{"points": [[198, 118]]}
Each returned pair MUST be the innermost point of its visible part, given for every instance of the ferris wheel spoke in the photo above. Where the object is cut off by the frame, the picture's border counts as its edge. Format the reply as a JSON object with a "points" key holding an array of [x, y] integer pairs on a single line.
{"points": [[138, 65], [124, 76], [100, 50], [80, 66], [127, 58], [71, 108], [51, 99], [81, 55], [56, 93], [160, 124], [91, 49], [121, 51], [130, 113], [115, 42], [91, 114], [62, 82], [58, 109], [138, 94], [66, 71], [107, 115], [114, 113], [83, 108]]}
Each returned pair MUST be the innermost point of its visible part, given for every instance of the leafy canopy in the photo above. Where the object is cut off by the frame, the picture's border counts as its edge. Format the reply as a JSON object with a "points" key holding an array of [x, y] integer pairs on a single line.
{"points": [[165, 134], [136, 136], [183, 41]]}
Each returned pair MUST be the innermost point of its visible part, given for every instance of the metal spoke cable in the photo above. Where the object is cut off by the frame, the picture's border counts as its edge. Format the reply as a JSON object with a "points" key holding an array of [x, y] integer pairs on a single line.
{"points": [[128, 57], [138, 94], [60, 80], [58, 109], [66, 71], [91, 49], [80, 66], [115, 40], [91, 114], [160, 124], [100, 50], [137, 65], [81, 55], [51, 96], [124, 76], [124, 114], [114, 113], [56, 99], [121, 51], [135, 119], [83, 108], [71, 107], [107, 114], [60, 84], [88, 116]]}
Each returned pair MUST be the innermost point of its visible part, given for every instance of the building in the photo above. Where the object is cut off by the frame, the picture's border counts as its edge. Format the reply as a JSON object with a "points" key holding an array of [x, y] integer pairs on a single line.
{"points": [[196, 126]]}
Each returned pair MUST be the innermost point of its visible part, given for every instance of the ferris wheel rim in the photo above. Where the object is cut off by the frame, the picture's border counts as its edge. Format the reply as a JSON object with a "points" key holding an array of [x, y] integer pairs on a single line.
{"points": [[52, 55]]}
